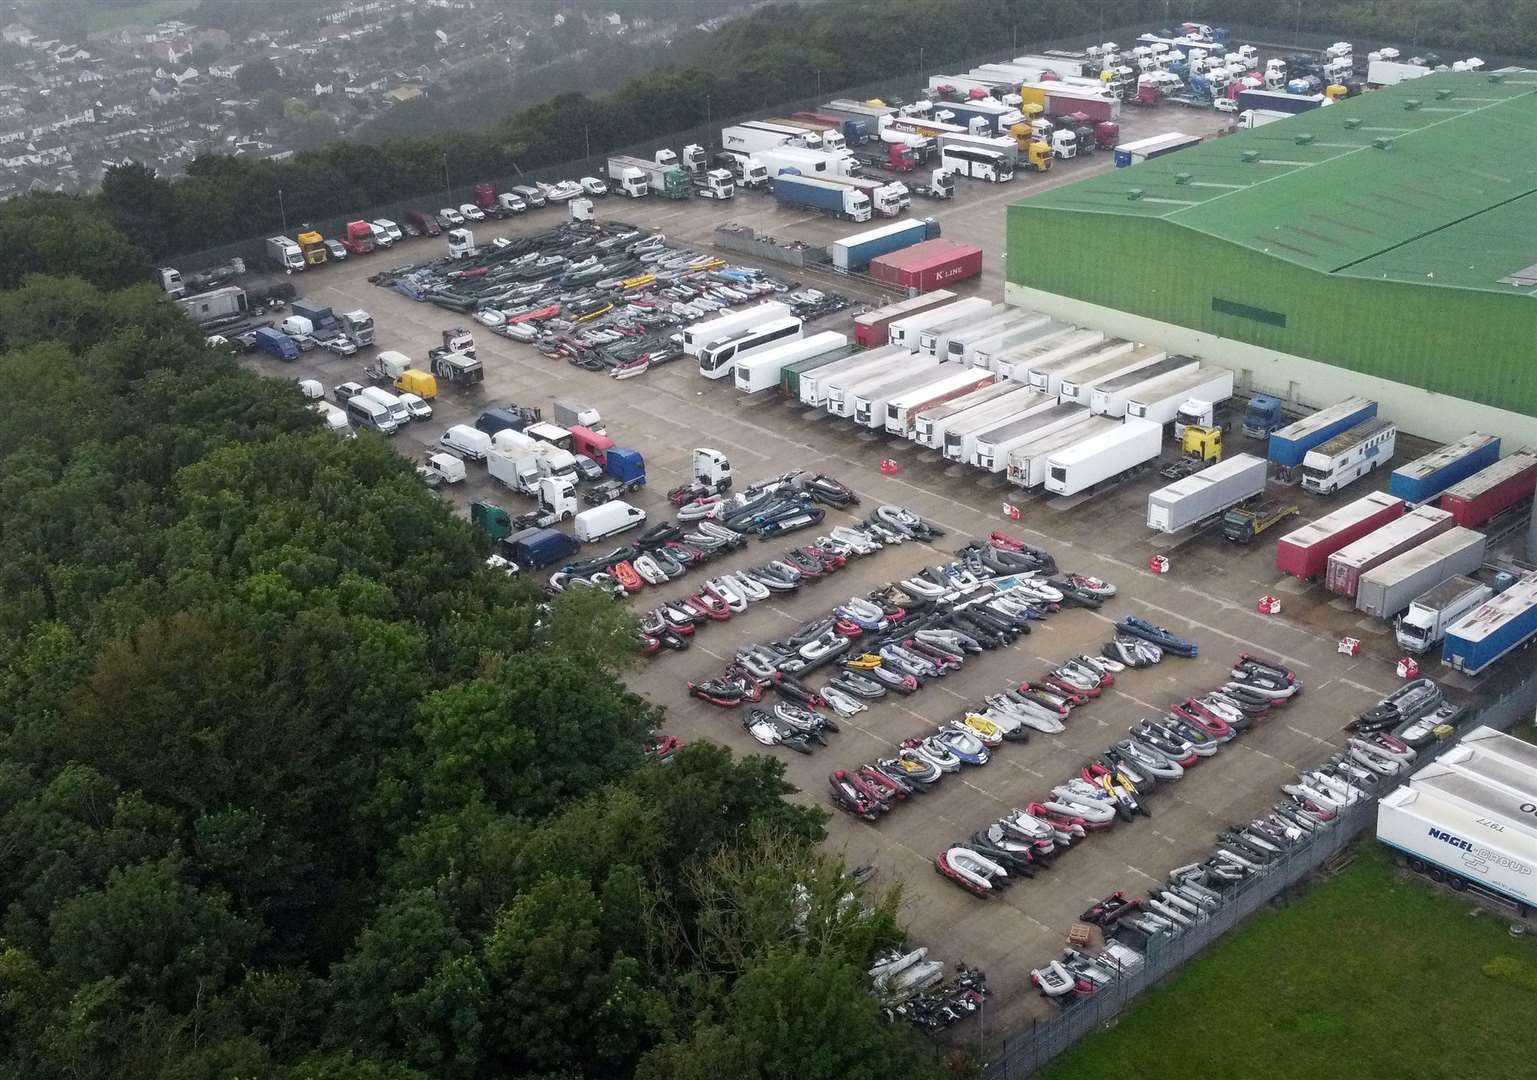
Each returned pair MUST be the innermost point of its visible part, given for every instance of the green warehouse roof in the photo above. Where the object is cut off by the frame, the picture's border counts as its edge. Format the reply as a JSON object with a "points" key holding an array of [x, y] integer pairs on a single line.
{"points": [[1432, 181]]}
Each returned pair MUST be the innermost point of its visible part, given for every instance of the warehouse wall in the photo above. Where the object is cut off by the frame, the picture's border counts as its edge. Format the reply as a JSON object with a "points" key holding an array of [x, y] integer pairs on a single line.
{"points": [[1296, 379], [1480, 347]]}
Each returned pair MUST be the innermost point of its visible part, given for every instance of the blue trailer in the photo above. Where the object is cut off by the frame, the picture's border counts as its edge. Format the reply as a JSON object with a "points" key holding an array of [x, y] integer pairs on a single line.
{"points": [[1290, 444], [1499, 626], [321, 317], [853, 253], [275, 342], [810, 193], [990, 112], [1279, 101], [1424, 478]]}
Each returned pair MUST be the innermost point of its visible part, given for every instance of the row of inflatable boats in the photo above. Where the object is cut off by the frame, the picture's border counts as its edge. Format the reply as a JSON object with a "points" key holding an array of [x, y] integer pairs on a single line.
{"points": [[911, 986]]}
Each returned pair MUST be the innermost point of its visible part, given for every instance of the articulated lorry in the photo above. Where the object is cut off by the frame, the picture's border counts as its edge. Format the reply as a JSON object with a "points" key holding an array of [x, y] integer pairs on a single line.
{"points": [[823, 196], [635, 177], [1202, 391], [1131, 444], [1208, 494]]}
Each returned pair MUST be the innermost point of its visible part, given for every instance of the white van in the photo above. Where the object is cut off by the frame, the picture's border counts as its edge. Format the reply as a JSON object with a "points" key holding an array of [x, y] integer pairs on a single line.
{"points": [[368, 413], [397, 408], [467, 441], [296, 326], [607, 520], [391, 230], [382, 237], [334, 419]]}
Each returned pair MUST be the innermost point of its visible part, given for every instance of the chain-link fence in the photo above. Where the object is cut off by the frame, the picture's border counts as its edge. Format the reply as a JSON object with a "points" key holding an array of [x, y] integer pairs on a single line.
{"points": [[1026, 1051]]}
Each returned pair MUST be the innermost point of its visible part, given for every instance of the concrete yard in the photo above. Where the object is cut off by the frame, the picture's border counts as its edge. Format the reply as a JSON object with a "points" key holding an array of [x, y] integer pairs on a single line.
{"points": [[1209, 595]]}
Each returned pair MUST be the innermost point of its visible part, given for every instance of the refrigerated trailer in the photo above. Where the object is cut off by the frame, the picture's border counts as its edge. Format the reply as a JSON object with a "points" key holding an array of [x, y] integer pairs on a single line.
{"points": [[1161, 402], [700, 334], [988, 352], [870, 398], [1027, 464], [871, 328], [1449, 840], [1304, 552], [961, 343], [1110, 396], [1497, 627], [934, 339], [842, 394], [1349, 456], [991, 448], [908, 332], [761, 370], [1045, 364], [1493, 490], [1129, 444], [1426, 477], [1206, 494], [929, 425], [1342, 572], [1112, 363], [1290, 444], [903, 408], [1392, 586], [961, 436], [814, 384]]}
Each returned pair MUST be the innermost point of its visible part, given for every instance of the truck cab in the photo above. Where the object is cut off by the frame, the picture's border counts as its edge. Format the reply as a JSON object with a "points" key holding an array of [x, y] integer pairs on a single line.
{"points": [[359, 239], [694, 159], [715, 184], [358, 328], [1262, 417], [313, 245], [461, 243], [171, 282], [629, 181]]}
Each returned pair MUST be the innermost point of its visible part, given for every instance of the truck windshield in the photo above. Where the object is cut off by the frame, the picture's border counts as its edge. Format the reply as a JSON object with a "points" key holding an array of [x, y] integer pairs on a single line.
{"points": [[1409, 633], [1312, 472]]}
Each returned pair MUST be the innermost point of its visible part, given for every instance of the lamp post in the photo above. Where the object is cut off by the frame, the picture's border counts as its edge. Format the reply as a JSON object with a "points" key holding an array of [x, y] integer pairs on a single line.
{"points": [[448, 188], [709, 125], [586, 142], [282, 213]]}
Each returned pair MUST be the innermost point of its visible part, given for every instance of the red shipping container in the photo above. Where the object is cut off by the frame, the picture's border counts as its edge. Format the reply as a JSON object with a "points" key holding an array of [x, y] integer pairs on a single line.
{"points": [[1305, 552], [1498, 487], [928, 265], [1346, 565], [870, 329]]}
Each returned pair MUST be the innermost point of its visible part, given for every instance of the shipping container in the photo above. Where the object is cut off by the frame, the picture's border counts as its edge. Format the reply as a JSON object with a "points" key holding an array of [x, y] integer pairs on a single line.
{"points": [[929, 265], [761, 370], [870, 329], [934, 339], [1027, 464], [1114, 361], [853, 253], [1343, 571], [1388, 588], [790, 377], [1492, 490], [1290, 444], [814, 383], [991, 448], [902, 409], [1497, 627], [906, 332], [1130, 444], [1206, 494], [1304, 552], [1161, 402], [929, 424], [1426, 477], [1111, 395], [961, 434]]}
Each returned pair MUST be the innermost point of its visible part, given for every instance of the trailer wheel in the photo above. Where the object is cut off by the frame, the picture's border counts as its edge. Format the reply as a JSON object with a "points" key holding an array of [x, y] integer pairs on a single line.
{"points": [[1458, 884], [1417, 865], [1437, 874]]}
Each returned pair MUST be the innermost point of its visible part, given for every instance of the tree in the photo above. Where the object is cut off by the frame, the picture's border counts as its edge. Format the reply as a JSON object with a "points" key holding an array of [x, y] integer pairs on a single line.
{"points": [[259, 74]]}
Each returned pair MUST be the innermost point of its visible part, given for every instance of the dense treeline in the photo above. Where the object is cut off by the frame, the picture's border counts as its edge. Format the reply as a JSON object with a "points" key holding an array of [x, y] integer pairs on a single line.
{"points": [[292, 786]]}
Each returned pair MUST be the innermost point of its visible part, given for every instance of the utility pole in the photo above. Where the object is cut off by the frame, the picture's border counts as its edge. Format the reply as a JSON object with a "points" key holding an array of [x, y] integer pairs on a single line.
{"points": [[448, 188], [281, 211], [709, 126], [586, 142], [819, 87]]}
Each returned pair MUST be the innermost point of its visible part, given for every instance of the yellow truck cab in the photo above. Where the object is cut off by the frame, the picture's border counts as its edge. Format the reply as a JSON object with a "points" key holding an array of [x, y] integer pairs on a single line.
{"points": [[313, 246]]}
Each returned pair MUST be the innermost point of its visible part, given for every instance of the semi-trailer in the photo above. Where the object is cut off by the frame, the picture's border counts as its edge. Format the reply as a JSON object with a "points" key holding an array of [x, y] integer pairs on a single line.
{"points": [[1046, 363], [903, 408], [668, 181], [1280, 101], [855, 132], [823, 196], [853, 253], [1161, 402], [761, 370], [1342, 572], [929, 425], [1349, 456], [928, 265], [1027, 464], [1426, 477], [1128, 445], [699, 334], [872, 401], [790, 376], [1304, 552], [962, 345], [991, 447], [961, 435], [1388, 588], [801, 161], [1424, 625], [843, 397], [1493, 490], [871, 328], [1464, 846], [815, 133], [934, 340], [814, 383], [1206, 494], [907, 331], [1155, 147], [1290, 444], [993, 353], [1117, 358], [753, 136], [1496, 627], [1110, 396]]}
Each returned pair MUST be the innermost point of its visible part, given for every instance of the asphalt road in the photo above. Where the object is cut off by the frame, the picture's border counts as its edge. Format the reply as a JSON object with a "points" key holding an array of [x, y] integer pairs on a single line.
{"points": [[1209, 595]]}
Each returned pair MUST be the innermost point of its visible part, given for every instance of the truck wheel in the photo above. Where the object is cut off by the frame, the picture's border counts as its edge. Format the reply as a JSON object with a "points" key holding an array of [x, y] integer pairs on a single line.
{"points": [[1437, 874], [1417, 865], [1458, 884]]}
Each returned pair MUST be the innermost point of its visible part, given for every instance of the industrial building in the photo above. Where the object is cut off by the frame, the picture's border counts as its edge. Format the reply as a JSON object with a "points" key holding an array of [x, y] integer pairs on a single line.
{"points": [[1384, 246]]}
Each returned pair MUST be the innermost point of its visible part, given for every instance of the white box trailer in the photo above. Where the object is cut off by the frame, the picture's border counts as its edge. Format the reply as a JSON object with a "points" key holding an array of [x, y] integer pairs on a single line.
{"points": [[994, 446], [988, 352], [841, 391], [910, 331], [700, 334], [814, 383], [934, 340], [760, 371], [1206, 494], [1390, 587], [959, 382], [1078, 468], [1110, 397], [1046, 364], [961, 436], [929, 425], [1027, 464], [961, 344], [1117, 359], [869, 398], [1161, 402]]}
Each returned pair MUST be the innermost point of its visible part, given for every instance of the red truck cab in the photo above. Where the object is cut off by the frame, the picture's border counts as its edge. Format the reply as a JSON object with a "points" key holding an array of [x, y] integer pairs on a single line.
{"points": [[359, 239], [591, 443], [485, 196]]}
